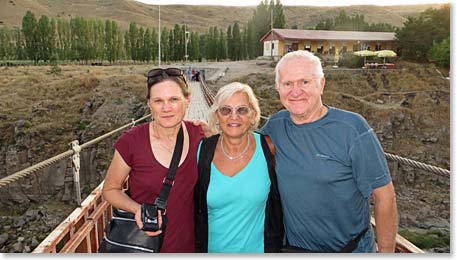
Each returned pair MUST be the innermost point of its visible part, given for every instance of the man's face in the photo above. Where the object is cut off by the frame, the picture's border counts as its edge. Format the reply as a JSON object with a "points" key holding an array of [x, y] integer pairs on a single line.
{"points": [[299, 89]]}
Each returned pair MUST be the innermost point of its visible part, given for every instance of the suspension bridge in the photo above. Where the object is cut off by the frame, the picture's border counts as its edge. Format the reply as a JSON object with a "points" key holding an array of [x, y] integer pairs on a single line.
{"points": [[83, 230]]}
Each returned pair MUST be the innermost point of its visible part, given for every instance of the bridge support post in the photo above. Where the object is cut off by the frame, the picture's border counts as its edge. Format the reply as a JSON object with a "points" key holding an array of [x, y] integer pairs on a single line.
{"points": [[75, 165]]}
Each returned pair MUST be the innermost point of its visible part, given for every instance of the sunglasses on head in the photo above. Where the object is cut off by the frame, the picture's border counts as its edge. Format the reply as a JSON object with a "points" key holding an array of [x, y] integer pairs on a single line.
{"points": [[239, 110], [156, 74]]}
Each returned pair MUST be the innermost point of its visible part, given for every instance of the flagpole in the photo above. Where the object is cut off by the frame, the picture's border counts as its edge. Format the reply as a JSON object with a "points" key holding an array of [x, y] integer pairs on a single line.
{"points": [[160, 31]]}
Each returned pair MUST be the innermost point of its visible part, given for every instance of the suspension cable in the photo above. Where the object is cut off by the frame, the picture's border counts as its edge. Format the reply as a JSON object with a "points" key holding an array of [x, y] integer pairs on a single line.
{"points": [[36, 167]]}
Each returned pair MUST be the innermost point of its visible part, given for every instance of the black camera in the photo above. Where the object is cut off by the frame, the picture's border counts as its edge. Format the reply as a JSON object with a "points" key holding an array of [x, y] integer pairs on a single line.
{"points": [[150, 217]]}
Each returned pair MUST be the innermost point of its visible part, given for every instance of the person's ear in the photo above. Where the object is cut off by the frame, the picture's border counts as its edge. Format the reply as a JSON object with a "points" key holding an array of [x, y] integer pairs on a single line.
{"points": [[322, 85], [188, 99], [277, 87]]}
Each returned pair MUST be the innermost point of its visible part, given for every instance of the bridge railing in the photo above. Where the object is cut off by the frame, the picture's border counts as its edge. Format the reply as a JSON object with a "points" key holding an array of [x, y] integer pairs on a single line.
{"points": [[83, 230]]}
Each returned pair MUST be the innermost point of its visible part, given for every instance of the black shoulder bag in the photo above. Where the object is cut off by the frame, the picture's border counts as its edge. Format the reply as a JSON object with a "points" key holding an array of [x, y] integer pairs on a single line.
{"points": [[122, 232]]}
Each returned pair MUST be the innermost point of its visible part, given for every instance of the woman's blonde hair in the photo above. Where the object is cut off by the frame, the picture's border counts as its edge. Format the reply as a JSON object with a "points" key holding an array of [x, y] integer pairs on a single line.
{"points": [[225, 93]]}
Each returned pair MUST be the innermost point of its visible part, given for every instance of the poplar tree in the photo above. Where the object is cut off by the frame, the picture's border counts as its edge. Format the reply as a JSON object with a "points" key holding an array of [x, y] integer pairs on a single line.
{"points": [[29, 30]]}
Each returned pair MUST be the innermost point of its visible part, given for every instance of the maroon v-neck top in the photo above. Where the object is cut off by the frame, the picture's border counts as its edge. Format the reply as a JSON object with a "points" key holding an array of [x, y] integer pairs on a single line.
{"points": [[145, 182]]}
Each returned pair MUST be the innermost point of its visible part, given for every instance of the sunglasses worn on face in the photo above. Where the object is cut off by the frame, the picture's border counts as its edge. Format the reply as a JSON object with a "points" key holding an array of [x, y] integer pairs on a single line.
{"points": [[156, 74], [228, 110]]}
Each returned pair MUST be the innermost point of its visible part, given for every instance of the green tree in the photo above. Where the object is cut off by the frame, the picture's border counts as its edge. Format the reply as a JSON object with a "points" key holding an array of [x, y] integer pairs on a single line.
{"points": [[140, 45], [222, 46], [441, 53], [147, 45], [279, 19], [230, 51], [6, 44], [415, 39], [203, 43], [237, 42], [261, 25], [118, 42], [29, 30], [133, 41], [250, 40], [154, 44], [194, 46], [109, 44], [19, 44], [164, 45]]}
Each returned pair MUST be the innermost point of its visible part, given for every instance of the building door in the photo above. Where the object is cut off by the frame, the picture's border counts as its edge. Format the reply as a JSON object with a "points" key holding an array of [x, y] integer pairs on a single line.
{"points": [[295, 46]]}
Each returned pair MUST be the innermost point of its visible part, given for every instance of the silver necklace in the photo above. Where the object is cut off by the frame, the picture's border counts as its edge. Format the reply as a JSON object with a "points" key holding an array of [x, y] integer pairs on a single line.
{"points": [[236, 156]]}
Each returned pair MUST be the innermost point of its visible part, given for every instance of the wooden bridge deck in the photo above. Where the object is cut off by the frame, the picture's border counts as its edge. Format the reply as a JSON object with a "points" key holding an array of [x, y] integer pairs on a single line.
{"points": [[198, 106]]}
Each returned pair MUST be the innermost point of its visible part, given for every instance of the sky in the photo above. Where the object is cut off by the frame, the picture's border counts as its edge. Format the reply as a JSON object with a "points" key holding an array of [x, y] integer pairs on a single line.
{"points": [[294, 2]]}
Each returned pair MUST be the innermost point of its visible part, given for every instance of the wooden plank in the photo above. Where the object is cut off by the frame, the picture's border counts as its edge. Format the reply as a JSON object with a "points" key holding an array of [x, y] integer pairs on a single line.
{"points": [[48, 245], [407, 247], [81, 240]]}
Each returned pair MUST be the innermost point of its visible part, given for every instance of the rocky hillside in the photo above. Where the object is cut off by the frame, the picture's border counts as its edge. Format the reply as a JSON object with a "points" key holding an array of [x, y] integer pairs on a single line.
{"points": [[42, 109], [199, 18]]}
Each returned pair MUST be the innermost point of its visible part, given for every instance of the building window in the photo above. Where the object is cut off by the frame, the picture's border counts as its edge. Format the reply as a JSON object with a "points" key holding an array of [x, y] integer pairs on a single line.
{"points": [[378, 47], [320, 48], [307, 47]]}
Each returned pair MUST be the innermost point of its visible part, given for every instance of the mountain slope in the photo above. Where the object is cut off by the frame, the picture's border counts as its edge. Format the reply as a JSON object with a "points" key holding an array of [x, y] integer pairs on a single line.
{"points": [[199, 18]]}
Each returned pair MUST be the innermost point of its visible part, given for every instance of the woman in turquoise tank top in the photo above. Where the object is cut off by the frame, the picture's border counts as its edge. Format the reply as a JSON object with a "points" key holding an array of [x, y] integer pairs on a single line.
{"points": [[237, 201]]}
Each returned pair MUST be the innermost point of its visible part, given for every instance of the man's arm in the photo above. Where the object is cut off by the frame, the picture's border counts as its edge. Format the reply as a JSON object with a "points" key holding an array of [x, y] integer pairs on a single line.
{"points": [[385, 206]]}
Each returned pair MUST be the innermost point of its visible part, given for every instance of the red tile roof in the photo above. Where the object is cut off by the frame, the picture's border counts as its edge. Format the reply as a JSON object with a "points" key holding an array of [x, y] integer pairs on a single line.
{"points": [[291, 34]]}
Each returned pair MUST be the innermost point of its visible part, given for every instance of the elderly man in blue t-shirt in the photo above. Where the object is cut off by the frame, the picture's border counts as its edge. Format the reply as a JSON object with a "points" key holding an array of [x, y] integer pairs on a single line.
{"points": [[329, 162]]}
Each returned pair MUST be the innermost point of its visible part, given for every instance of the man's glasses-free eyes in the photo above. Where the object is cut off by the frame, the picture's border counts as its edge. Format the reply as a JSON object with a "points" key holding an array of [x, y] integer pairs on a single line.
{"points": [[228, 110]]}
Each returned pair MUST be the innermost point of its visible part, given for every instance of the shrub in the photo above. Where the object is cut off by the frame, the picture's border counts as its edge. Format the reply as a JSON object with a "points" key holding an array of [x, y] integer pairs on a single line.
{"points": [[55, 69], [349, 60], [431, 239]]}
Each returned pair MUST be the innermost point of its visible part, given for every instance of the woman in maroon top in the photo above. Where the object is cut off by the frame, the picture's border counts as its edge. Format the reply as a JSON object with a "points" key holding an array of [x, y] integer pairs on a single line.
{"points": [[144, 153]]}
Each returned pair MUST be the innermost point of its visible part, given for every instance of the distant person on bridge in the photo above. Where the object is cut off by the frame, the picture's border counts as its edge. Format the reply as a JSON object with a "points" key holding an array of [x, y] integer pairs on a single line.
{"points": [[237, 200], [329, 162], [144, 153]]}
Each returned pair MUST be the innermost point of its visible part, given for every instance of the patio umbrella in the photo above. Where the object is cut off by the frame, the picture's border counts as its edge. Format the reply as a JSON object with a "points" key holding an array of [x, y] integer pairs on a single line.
{"points": [[386, 54], [365, 54]]}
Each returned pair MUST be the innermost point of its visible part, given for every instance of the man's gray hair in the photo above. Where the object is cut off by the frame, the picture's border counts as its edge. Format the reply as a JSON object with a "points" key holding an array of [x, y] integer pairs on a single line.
{"points": [[305, 55], [225, 93]]}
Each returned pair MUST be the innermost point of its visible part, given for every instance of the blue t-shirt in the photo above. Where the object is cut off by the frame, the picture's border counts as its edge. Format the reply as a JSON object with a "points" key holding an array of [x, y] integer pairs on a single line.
{"points": [[326, 171], [236, 206]]}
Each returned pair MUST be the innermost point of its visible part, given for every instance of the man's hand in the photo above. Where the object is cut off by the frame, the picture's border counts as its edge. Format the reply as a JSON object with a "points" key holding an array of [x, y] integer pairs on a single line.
{"points": [[205, 127]]}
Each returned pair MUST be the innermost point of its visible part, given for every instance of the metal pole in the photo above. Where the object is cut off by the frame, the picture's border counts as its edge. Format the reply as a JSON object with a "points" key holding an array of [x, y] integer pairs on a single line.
{"points": [[185, 41], [160, 31], [271, 43]]}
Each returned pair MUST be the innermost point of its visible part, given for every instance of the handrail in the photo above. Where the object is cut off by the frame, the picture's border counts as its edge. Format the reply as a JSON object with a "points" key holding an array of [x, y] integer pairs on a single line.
{"points": [[207, 93], [83, 230]]}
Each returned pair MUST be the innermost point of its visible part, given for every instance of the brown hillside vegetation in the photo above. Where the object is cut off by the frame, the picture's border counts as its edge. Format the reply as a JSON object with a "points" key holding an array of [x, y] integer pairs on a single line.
{"points": [[199, 18]]}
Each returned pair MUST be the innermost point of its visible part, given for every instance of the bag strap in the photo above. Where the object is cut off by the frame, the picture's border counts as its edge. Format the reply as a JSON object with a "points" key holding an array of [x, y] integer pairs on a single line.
{"points": [[352, 245], [168, 181], [271, 146]]}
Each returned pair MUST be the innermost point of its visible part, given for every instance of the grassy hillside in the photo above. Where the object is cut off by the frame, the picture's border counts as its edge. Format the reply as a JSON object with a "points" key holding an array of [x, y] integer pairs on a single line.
{"points": [[199, 18]]}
